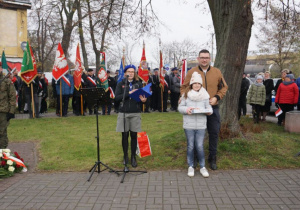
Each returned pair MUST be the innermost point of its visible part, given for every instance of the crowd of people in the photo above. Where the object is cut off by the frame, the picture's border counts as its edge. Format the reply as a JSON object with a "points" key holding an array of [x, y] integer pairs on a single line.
{"points": [[259, 95], [197, 99]]}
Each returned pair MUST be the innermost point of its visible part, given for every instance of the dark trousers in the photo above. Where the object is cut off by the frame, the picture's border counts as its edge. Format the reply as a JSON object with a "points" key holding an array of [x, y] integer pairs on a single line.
{"points": [[172, 99], [213, 129], [176, 98], [36, 104], [77, 105], [65, 104], [43, 105], [116, 106], [298, 107], [104, 110], [20, 102], [165, 100], [156, 100], [285, 108], [256, 109], [242, 106]]}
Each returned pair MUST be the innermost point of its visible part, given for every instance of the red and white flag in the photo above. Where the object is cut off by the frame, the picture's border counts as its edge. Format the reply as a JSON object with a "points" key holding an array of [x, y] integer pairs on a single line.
{"points": [[78, 70], [60, 66], [111, 93], [278, 112], [183, 71]]}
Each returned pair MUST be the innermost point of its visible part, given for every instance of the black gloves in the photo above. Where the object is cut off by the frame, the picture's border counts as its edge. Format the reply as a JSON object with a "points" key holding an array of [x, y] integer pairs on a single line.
{"points": [[9, 116], [276, 105]]}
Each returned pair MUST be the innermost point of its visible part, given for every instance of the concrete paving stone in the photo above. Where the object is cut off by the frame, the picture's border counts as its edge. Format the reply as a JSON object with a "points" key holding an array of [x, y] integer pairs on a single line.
{"points": [[271, 201], [247, 207], [171, 201], [296, 193], [278, 207], [207, 194], [284, 194], [295, 200], [158, 201], [4, 205], [239, 201], [187, 206], [252, 194], [252, 201], [217, 201], [294, 207], [226, 200], [212, 207], [205, 201], [140, 201], [225, 206], [153, 206], [287, 201]]}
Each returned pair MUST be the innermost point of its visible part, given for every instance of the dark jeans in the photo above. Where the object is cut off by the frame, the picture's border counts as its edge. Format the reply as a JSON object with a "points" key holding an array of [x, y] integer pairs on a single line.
{"points": [[165, 100], [213, 129], [43, 105], [176, 98], [104, 109], [77, 105], [65, 104]]}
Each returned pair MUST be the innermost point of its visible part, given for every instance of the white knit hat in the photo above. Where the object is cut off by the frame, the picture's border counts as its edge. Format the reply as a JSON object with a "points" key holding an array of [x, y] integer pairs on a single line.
{"points": [[196, 77]]}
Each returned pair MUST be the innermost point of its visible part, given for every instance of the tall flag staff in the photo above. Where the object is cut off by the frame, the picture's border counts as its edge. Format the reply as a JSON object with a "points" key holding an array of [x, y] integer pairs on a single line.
{"points": [[77, 75], [60, 68], [143, 72], [183, 71], [29, 71], [161, 76]]}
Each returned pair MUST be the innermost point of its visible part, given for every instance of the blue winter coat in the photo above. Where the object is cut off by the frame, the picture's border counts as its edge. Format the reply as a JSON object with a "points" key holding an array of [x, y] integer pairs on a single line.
{"points": [[66, 89]]}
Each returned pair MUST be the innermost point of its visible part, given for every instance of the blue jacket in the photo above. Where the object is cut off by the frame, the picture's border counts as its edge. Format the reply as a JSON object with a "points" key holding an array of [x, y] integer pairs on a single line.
{"points": [[298, 84], [66, 89]]}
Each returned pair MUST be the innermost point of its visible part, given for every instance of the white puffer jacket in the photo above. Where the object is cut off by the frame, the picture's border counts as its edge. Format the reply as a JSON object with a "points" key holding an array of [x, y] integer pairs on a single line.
{"points": [[195, 100]]}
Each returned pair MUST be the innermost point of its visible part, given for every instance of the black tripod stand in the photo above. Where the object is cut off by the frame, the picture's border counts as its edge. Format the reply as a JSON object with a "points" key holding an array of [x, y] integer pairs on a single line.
{"points": [[96, 96], [126, 169]]}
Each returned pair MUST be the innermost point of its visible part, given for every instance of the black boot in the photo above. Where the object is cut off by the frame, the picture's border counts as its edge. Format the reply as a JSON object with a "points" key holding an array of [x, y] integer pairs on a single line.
{"points": [[133, 161], [125, 161], [213, 162]]}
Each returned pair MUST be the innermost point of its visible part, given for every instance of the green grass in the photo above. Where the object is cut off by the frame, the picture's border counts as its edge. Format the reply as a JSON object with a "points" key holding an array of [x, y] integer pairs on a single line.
{"points": [[69, 144]]}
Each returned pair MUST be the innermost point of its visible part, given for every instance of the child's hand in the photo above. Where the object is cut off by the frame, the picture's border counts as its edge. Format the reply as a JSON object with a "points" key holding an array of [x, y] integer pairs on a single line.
{"points": [[189, 110]]}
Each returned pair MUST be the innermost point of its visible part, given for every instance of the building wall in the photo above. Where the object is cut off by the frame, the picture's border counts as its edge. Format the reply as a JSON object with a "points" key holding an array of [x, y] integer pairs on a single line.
{"points": [[13, 31]]}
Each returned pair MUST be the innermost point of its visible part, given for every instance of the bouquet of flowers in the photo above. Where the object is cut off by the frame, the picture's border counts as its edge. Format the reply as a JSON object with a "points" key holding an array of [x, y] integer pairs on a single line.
{"points": [[10, 163]]}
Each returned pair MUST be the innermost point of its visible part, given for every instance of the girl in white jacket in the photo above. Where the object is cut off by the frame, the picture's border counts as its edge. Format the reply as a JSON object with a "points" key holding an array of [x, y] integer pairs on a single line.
{"points": [[195, 106]]}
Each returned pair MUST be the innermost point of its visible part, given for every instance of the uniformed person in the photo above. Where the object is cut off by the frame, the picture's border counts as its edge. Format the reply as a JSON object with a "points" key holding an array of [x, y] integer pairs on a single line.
{"points": [[7, 106], [90, 81]]}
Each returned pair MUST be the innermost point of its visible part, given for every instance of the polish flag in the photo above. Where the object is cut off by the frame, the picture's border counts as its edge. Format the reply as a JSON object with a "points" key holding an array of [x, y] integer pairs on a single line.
{"points": [[278, 112], [66, 80]]}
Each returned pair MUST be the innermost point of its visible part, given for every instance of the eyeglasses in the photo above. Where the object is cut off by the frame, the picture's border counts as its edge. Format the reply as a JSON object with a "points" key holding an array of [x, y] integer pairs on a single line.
{"points": [[204, 58]]}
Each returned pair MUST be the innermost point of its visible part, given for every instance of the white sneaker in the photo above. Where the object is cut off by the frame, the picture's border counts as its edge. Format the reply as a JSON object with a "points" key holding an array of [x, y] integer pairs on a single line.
{"points": [[191, 171], [204, 172]]}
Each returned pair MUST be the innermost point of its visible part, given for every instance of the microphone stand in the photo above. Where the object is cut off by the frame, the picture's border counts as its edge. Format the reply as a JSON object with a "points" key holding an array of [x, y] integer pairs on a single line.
{"points": [[126, 169]]}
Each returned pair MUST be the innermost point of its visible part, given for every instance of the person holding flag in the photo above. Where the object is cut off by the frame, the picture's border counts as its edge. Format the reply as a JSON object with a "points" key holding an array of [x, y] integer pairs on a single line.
{"points": [[129, 117], [166, 90], [67, 88], [7, 106]]}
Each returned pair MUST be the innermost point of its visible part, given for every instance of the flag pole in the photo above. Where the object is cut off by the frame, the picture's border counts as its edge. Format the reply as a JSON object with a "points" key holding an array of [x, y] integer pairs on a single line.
{"points": [[161, 86], [32, 102], [60, 98], [81, 103]]}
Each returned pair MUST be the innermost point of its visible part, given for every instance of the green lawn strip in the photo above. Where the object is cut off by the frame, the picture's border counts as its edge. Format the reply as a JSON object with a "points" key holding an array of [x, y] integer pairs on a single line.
{"points": [[69, 144]]}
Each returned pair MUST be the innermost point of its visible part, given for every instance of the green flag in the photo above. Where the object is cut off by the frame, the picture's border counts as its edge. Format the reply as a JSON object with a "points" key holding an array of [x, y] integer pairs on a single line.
{"points": [[4, 63], [102, 75], [28, 69]]}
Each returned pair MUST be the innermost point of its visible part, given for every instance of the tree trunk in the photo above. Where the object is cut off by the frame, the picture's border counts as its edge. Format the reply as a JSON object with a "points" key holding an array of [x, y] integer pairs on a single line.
{"points": [[68, 28], [81, 37], [232, 23]]}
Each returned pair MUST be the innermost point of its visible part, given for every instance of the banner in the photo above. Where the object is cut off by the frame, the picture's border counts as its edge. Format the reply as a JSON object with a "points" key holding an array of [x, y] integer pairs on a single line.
{"points": [[28, 69], [143, 147], [4, 64], [161, 73], [102, 75], [143, 72], [60, 66], [121, 72], [78, 70]]}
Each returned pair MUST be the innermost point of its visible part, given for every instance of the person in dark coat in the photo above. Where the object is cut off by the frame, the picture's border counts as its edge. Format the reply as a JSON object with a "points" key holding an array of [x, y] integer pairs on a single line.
{"points": [[243, 100], [175, 88], [284, 72], [28, 97], [112, 84], [269, 85], [129, 112], [156, 91], [90, 81], [166, 90]]}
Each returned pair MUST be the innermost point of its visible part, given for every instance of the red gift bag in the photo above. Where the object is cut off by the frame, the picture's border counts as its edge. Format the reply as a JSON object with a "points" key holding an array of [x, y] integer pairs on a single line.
{"points": [[143, 145]]}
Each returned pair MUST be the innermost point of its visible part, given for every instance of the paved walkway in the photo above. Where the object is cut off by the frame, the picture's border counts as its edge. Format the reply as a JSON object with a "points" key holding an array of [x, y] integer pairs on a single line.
{"points": [[231, 189]]}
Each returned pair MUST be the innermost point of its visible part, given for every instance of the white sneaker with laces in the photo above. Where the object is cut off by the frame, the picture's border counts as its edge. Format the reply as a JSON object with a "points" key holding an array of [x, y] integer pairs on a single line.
{"points": [[191, 171], [204, 172]]}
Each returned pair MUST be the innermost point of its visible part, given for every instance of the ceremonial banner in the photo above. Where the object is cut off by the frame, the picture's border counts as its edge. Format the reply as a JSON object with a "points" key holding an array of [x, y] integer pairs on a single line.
{"points": [[102, 75], [60, 66], [143, 72], [78, 70], [28, 69], [183, 71], [4, 64], [143, 147]]}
